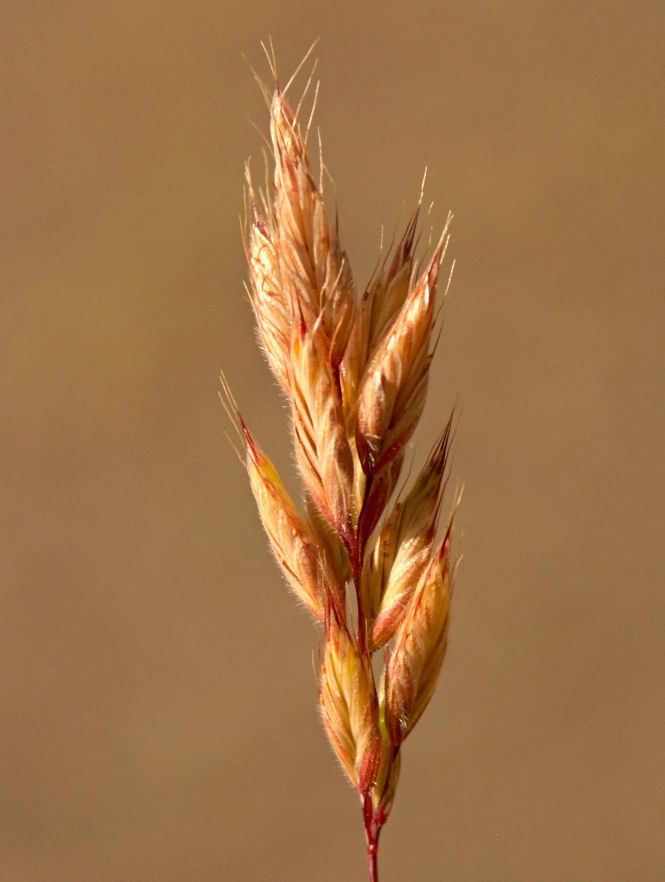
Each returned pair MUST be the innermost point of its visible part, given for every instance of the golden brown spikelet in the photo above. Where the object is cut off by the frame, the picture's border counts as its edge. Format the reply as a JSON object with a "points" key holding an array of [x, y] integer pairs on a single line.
{"points": [[322, 449], [392, 393], [294, 543], [349, 706], [356, 375], [419, 648], [379, 305], [403, 546], [273, 310], [314, 268]]}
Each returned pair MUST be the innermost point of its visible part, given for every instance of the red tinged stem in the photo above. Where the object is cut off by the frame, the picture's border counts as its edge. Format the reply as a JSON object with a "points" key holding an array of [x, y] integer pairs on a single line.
{"points": [[372, 830], [372, 833], [373, 869]]}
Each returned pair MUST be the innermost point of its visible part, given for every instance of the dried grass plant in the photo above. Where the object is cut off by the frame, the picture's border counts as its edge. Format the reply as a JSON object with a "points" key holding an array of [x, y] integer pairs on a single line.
{"points": [[375, 573]]}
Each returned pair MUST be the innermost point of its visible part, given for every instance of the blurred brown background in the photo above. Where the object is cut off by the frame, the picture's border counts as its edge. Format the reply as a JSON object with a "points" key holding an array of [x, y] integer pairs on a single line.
{"points": [[159, 708]]}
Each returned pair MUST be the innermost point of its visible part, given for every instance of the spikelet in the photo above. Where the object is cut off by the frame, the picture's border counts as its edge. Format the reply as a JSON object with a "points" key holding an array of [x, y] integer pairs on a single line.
{"points": [[314, 269], [349, 706], [392, 393], [322, 449], [420, 646], [387, 776], [294, 543], [403, 547], [379, 306], [272, 308]]}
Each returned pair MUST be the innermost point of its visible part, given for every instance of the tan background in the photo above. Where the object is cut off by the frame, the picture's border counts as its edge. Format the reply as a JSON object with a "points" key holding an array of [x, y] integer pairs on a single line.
{"points": [[158, 701]]}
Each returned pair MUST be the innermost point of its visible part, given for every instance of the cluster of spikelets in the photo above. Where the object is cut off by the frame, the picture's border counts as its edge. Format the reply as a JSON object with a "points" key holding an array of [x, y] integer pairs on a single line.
{"points": [[355, 371]]}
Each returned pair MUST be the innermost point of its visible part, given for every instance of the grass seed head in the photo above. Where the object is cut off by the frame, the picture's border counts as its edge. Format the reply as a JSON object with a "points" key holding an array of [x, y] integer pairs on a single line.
{"points": [[356, 375]]}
